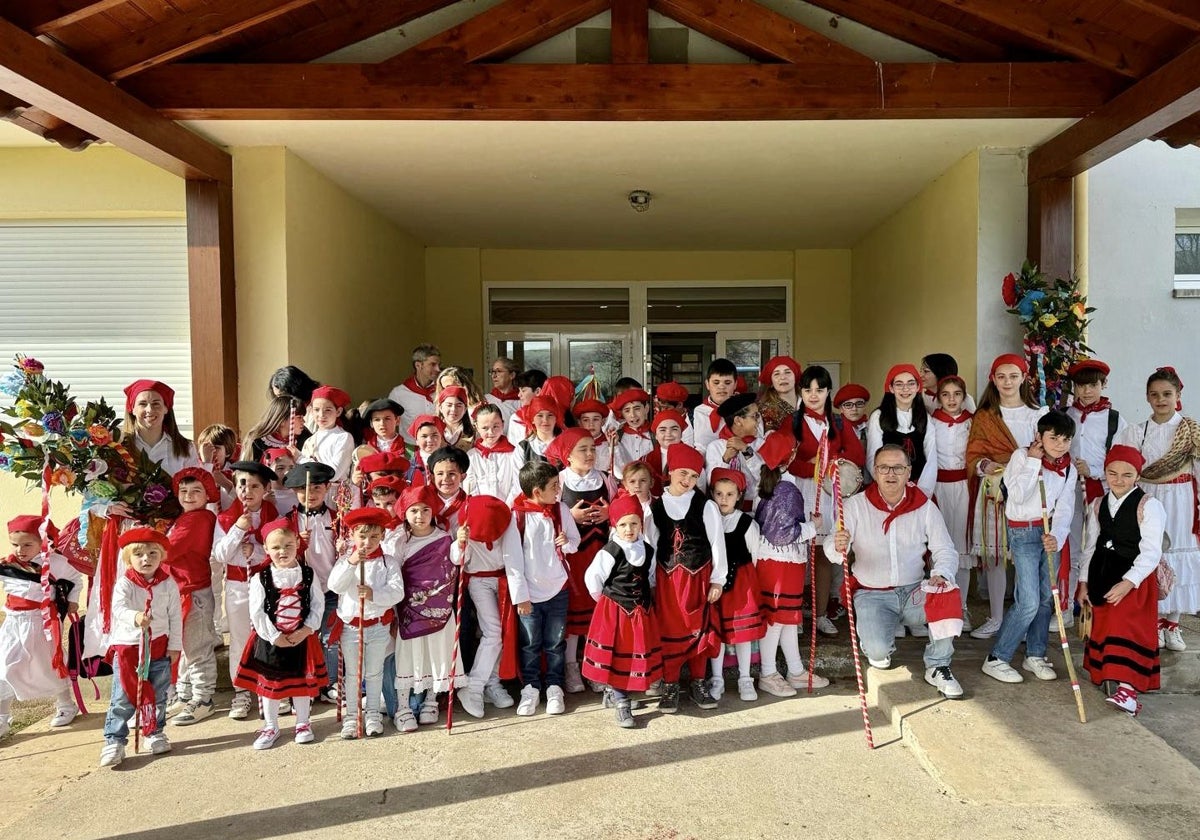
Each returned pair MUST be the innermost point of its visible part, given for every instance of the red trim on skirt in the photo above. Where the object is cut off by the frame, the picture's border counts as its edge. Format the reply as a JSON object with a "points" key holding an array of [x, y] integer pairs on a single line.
{"points": [[781, 587], [1123, 645], [685, 622], [277, 684], [623, 649], [740, 610]]}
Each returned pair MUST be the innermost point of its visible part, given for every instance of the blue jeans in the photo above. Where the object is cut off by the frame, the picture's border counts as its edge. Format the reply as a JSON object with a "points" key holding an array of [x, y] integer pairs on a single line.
{"points": [[391, 700], [331, 650], [877, 614], [1029, 616], [120, 708], [544, 631]]}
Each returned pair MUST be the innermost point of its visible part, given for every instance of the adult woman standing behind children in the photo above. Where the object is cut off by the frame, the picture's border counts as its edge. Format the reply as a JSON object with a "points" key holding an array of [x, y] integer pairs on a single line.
{"points": [[281, 425], [777, 396]]}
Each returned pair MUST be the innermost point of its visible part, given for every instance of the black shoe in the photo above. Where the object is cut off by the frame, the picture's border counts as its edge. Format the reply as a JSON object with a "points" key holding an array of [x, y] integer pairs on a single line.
{"points": [[668, 702], [625, 715], [701, 696]]}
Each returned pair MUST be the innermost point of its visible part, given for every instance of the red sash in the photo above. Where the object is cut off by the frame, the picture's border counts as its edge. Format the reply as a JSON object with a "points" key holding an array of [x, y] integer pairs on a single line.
{"points": [[125, 657]]}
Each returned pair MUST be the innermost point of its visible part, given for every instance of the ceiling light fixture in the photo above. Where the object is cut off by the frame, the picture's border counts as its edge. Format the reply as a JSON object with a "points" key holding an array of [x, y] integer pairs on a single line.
{"points": [[639, 200]]}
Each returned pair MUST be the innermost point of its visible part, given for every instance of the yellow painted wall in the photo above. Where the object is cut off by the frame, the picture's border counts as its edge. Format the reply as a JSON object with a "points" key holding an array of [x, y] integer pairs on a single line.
{"points": [[911, 271]]}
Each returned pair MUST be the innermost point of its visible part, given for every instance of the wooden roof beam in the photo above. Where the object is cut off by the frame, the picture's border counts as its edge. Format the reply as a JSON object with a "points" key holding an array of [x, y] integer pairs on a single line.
{"points": [[630, 32], [434, 90], [1183, 13], [1164, 98], [912, 28], [1065, 33], [502, 31], [42, 16], [184, 34], [756, 31], [45, 78]]}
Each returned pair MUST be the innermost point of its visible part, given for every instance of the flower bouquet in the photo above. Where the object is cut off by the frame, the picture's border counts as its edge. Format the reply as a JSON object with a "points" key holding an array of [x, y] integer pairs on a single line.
{"points": [[1055, 316]]}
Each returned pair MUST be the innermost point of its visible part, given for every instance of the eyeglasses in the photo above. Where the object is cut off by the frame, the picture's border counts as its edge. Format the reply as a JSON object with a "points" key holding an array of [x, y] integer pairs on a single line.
{"points": [[498, 371], [890, 469], [905, 385], [854, 404]]}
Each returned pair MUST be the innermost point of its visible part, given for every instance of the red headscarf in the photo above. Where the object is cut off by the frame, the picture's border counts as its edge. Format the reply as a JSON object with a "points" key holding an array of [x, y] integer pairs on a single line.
{"points": [[134, 388]]}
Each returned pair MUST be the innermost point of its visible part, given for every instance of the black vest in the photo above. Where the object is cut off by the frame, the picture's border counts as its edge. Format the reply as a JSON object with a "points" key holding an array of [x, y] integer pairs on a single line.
{"points": [[271, 592], [629, 586], [597, 532], [682, 542], [1116, 545], [736, 552], [913, 443]]}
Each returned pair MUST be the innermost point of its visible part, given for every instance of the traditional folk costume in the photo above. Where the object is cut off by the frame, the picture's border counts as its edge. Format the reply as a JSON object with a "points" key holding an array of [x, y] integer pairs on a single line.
{"points": [[604, 452], [854, 391], [495, 471], [38, 594], [818, 442], [1124, 542], [951, 494], [393, 445], [921, 447], [748, 462], [507, 401], [189, 564], [775, 412], [415, 399], [532, 447], [632, 443]]}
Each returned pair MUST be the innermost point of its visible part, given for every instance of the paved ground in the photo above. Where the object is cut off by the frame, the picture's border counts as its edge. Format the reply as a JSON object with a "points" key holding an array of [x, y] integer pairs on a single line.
{"points": [[1011, 761]]}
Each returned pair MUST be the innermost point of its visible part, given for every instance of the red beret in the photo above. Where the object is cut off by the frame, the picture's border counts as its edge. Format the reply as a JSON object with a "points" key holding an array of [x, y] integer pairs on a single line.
{"points": [[422, 494], [383, 462], [739, 385], [368, 516], [725, 474], [197, 474], [1009, 359], [457, 392], [487, 518], [425, 420], [851, 391], [895, 371], [668, 414], [559, 450], [626, 397], [274, 453], [764, 375], [31, 525], [1088, 364], [680, 456], [671, 392], [392, 482], [623, 506], [589, 407], [560, 389], [133, 389], [1128, 454], [335, 395], [280, 524], [776, 449], [144, 535]]}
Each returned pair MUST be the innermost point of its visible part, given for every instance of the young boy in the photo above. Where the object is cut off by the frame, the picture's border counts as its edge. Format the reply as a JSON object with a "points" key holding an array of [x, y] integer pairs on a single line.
{"points": [[31, 666], [671, 396], [189, 564], [538, 582], [144, 598], [1098, 424], [851, 400], [330, 444], [494, 463], [238, 547], [591, 415], [447, 468], [1046, 462], [529, 385], [739, 449], [385, 492], [634, 439], [721, 382], [382, 419], [426, 430], [382, 587]]}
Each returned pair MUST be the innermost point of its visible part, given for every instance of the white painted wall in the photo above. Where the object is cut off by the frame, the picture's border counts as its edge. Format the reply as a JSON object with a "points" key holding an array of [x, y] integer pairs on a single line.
{"points": [[1138, 326]]}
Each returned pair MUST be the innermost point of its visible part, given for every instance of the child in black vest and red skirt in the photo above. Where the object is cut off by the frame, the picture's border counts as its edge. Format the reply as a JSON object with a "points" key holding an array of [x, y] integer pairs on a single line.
{"points": [[1117, 576], [284, 657]]}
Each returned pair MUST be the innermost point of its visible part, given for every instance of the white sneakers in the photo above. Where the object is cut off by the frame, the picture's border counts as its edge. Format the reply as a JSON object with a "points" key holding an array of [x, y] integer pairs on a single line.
{"points": [[405, 721], [746, 690], [64, 715], [826, 627], [193, 712], [239, 708], [158, 743], [472, 702], [1000, 670], [112, 754], [572, 679], [373, 724], [1171, 637], [1040, 667], [800, 681], [266, 738], [530, 697], [880, 664], [986, 630], [429, 711], [304, 734], [942, 678], [716, 687], [555, 703], [496, 694], [776, 685], [5, 725], [1125, 699]]}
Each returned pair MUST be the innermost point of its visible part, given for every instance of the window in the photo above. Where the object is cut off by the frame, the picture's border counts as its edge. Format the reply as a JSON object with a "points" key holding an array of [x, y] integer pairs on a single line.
{"points": [[558, 305], [733, 304], [1187, 253]]}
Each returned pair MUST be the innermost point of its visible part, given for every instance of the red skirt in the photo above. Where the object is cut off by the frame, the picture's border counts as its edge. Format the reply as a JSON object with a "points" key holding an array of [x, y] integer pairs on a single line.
{"points": [[685, 622], [623, 649], [276, 673], [782, 588], [740, 611], [1123, 644], [580, 603]]}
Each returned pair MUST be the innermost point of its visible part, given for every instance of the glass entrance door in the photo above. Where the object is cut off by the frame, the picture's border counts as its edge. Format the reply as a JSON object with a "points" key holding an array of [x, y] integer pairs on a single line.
{"points": [[574, 355], [749, 350]]}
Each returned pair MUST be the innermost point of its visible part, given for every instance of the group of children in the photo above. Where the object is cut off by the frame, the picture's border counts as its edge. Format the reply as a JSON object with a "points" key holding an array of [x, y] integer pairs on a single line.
{"points": [[620, 544]]}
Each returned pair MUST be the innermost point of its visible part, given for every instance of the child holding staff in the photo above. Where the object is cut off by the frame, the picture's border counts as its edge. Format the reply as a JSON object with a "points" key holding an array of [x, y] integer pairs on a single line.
{"points": [[951, 422]]}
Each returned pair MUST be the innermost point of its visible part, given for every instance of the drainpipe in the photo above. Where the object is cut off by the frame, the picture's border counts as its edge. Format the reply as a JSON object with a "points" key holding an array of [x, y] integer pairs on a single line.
{"points": [[1080, 190]]}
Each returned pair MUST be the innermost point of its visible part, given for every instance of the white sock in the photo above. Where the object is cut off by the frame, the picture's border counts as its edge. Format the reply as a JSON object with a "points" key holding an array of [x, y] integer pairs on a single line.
{"points": [[302, 706], [270, 710], [1171, 617], [963, 578], [789, 640], [65, 700], [718, 664], [997, 580], [743, 658], [572, 649], [402, 695], [768, 646]]}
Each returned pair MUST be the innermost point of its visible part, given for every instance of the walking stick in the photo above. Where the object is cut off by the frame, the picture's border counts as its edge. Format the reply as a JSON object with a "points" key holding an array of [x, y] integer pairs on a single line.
{"points": [[818, 478], [142, 672], [1062, 630], [848, 598], [462, 585], [361, 693]]}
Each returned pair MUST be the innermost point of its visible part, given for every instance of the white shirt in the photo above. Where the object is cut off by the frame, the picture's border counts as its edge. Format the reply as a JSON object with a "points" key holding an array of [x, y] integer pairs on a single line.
{"points": [[496, 475], [603, 563], [332, 447], [227, 545], [1025, 500], [676, 508], [703, 433], [321, 553], [414, 405], [166, 614], [1151, 439], [480, 558], [537, 572], [283, 578], [896, 558], [950, 441], [516, 430], [1150, 545], [632, 447], [1022, 422], [31, 590], [163, 454], [1090, 437], [750, 467], [382, 575], [927, 480]]}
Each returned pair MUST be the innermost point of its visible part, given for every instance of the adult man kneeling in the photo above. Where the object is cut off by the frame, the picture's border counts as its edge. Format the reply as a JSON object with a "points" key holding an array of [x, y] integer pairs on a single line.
{"points": [[890, 526]]}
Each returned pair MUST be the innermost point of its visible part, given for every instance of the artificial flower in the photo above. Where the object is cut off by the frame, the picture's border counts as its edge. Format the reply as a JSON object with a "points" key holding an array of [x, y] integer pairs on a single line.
{"points": [[100, 435], [12, 383], [1048, 320], [79, 437], [34, 430], [62, 477], [1009, 290], [1079, 311], [5, 462], [102, 490], [31, 366], [53, 422], [95, 468], [155, 495], [1025, 307]]}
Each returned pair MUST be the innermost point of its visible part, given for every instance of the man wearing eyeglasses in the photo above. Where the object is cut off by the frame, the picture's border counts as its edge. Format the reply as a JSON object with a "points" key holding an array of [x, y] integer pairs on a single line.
{"points": [[504, 393], [890, 527]]}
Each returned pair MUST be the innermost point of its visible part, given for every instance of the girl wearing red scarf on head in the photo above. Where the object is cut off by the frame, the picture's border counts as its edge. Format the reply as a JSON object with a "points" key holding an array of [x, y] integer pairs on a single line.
{"points": [[1005, 422], [901, 419], [778, 395], [452, 409], [1170, 444], [951, 423]]}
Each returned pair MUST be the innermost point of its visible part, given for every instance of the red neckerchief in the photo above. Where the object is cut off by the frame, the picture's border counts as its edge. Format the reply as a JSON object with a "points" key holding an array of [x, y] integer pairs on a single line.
{"points": [[963, 417], [819, 416], [857, 424], [1060, 466], [1102, 404], [929, 393], [600, 439], [503, 445], [424, 390], [374, 555], [913, 500], [713, 417], [160, 574], [643, 431], [456, 504], [506, 396], [396, 444], [229, 516]]}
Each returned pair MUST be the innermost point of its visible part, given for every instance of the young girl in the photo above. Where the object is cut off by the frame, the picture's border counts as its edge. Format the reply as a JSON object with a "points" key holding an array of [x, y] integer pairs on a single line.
{"points": [[494, 463], [425, 616], [218, 445], [740, 609], [624, 649], [31, 666], [1170, 445], [781, 560], [591, 415], [821, 437], [458, 377], [426, 430], [1117, 577], [777, 397], [280, 424], [280, 461], [330, 444], [145, 598], [586, 492], [283, 658], [151, 426], [1005, 421], [901, 418], [934, 368], [457, 429], [951, 423], [689, 546], [542, 418], [668, 426], [637, 480], [633, 439]]}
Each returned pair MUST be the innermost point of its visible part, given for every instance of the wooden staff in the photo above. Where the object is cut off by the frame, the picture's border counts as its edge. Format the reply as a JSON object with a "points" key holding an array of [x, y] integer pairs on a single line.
{"points": [[291, 424], [818, 479], [462, 585], [848, 598], [361, 693], [143, 660], [1062, 630]]}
